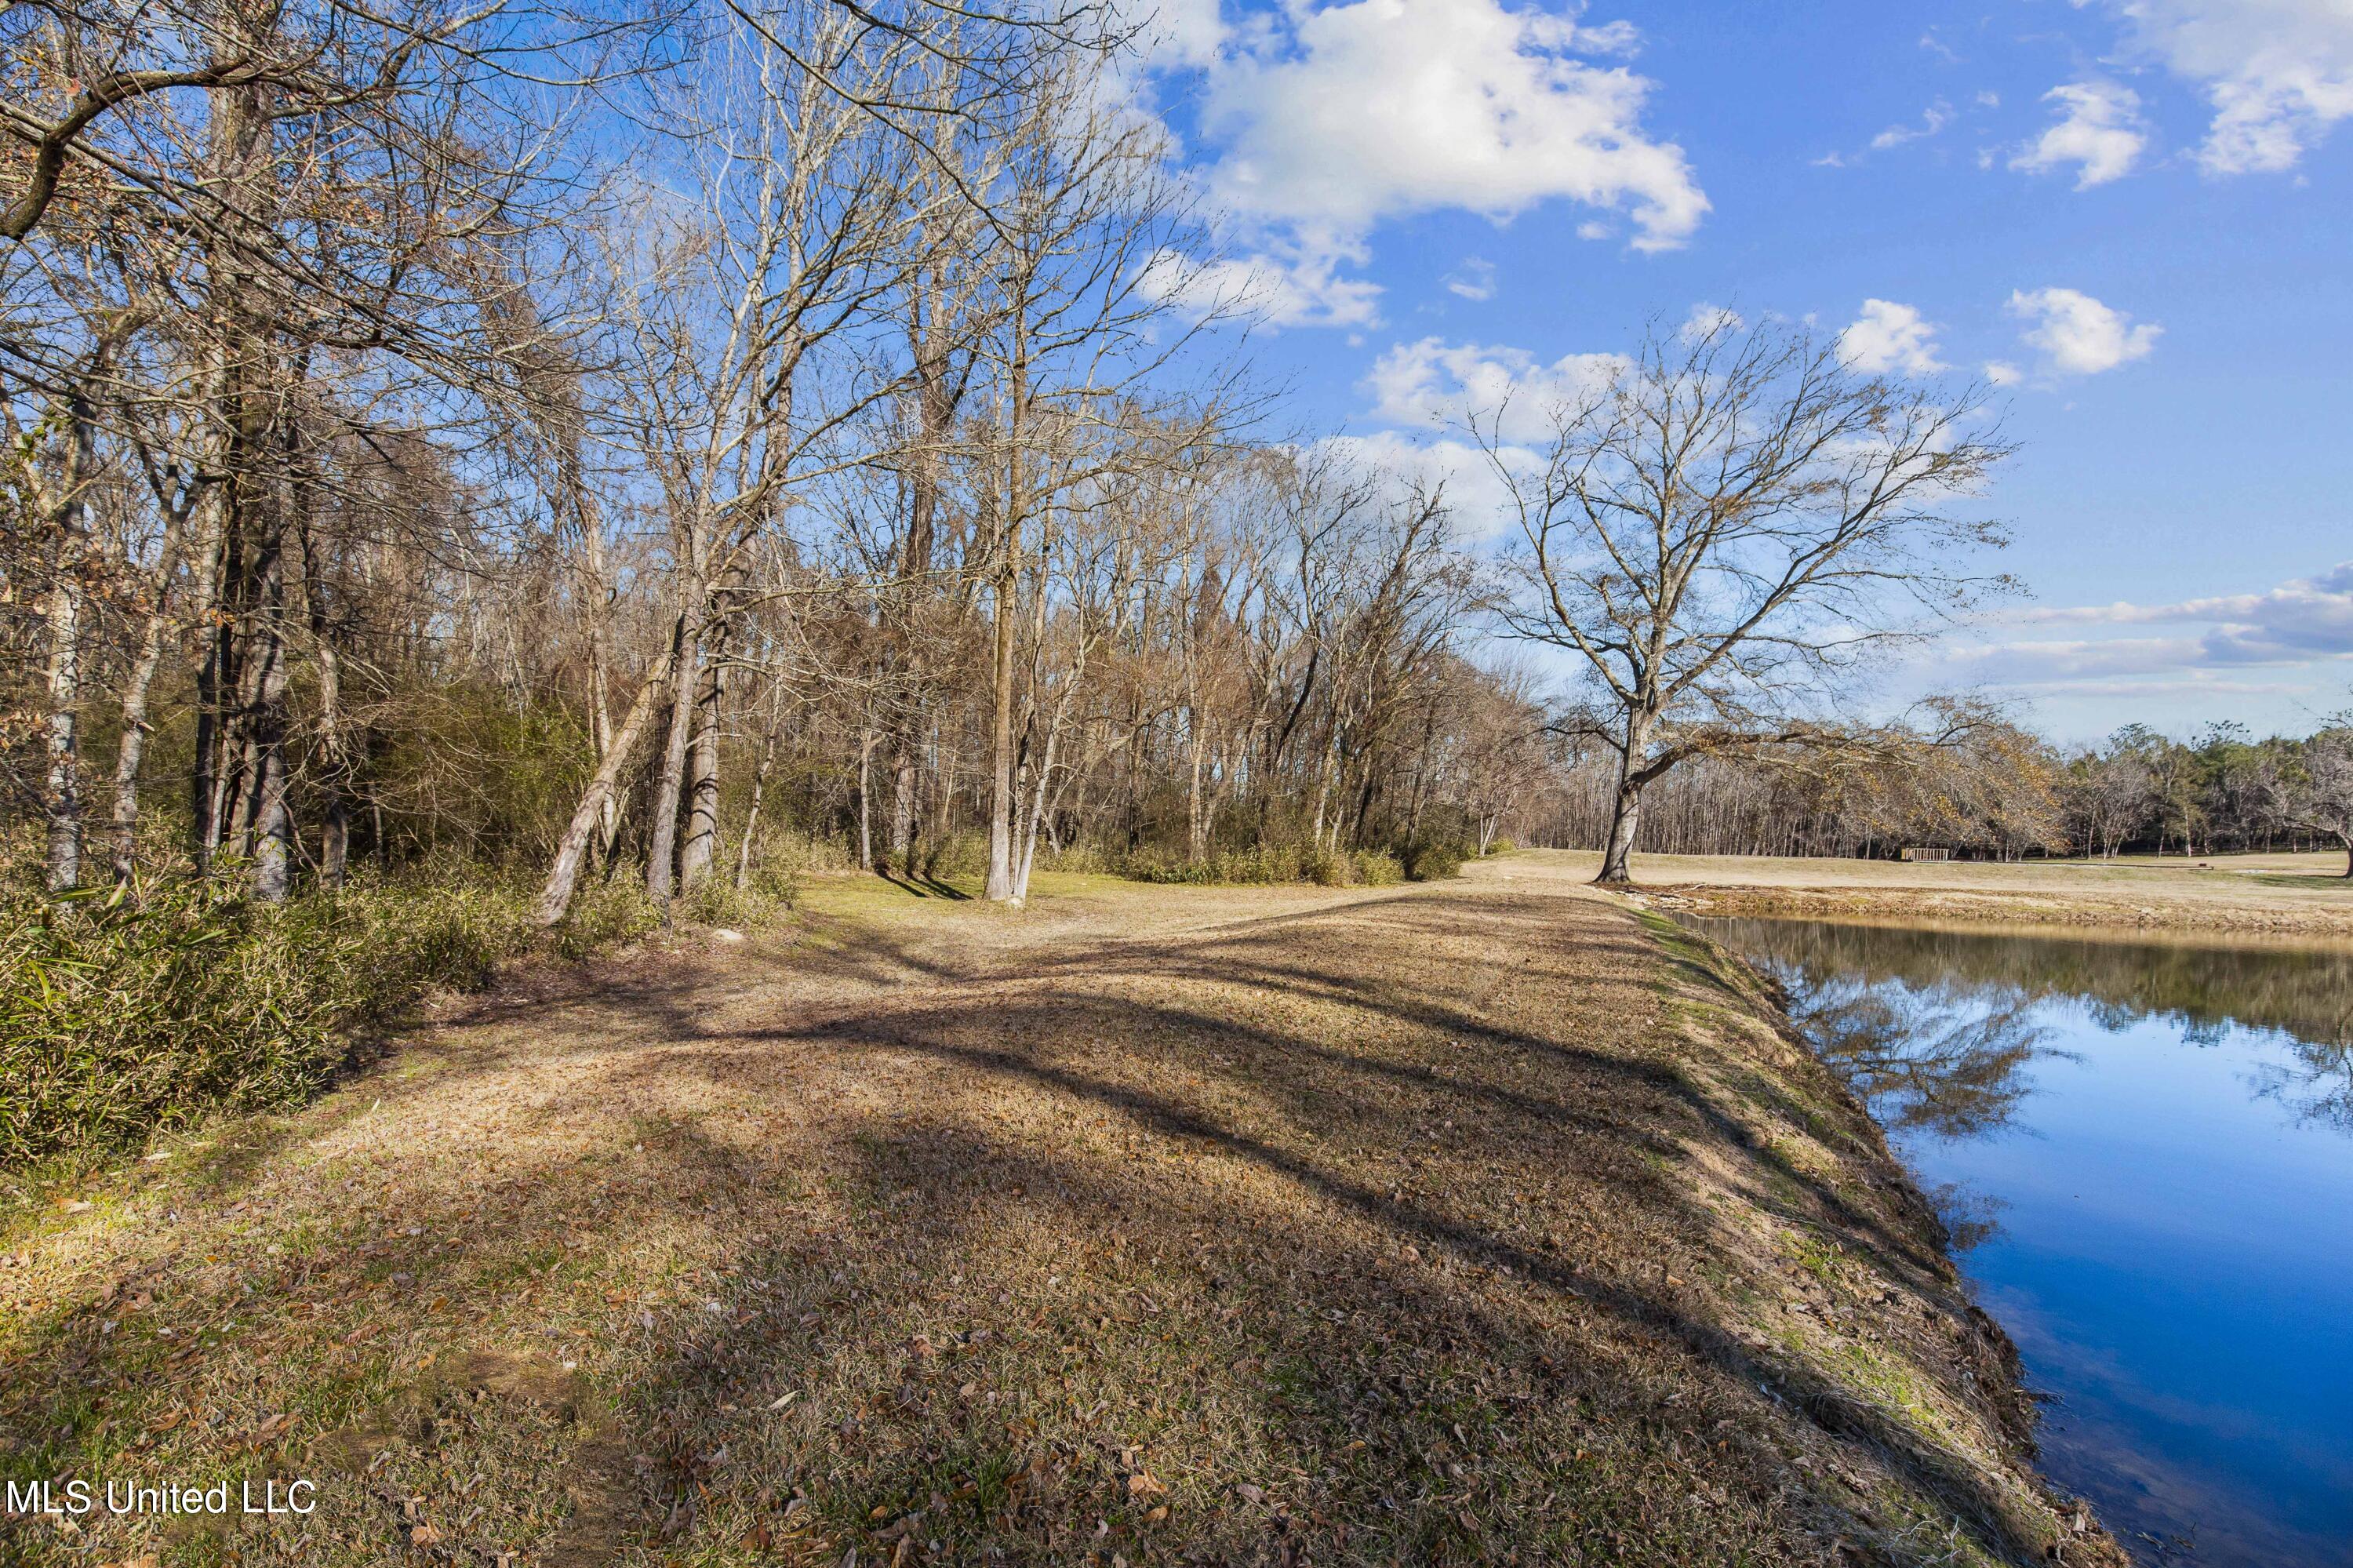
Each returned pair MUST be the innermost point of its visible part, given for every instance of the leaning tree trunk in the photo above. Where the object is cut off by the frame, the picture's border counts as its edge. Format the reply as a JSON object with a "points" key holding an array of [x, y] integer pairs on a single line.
{"points": [[563, 875], [1026, 849], [759, 797]]}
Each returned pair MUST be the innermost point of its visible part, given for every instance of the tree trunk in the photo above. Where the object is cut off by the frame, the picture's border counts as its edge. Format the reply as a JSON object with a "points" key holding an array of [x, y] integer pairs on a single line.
{"points": [[334, 740], [662, 846], [902, 797], [563, 875], [866, 797], [1196, 824], [1000, 889], [64, 781], [695, 855], [759, 796], [1322, 789], [1000, 783], [1037, 815], [271, 838], [258, 824], [62, 502], [1626, 805], [131, 748]]}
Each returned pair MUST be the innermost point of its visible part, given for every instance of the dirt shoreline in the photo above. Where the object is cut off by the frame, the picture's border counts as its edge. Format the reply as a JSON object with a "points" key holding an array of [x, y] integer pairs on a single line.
{"points": [[1486, 1221]]}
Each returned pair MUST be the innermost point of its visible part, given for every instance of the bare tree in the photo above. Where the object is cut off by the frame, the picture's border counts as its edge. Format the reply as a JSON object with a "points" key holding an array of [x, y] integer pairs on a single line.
{"points": [[1082, 219], [1724, 529], [2311, 791]]}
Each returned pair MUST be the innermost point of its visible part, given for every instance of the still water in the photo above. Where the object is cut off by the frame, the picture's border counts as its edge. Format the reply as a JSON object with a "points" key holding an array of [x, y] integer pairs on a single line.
{"points": [[2146, 1151]]}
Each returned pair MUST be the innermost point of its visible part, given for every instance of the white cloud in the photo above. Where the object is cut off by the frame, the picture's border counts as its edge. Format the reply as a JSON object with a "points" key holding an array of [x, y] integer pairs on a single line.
{"points": [[1177, 33], [1594, 228], [2303, 618], [1889, 337], [1300, 289], [2098, 131], [2002, 373], [1475, 280], [2305, 622], [1622, 38], [1331, 118], [2056, 663], [2278, 73], [1938, 115], [2079, 335], [1434, 385], [1478, 498], [1707, 320]]}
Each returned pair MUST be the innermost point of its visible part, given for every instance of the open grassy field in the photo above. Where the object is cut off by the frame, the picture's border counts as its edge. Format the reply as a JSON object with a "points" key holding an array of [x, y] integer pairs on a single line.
{"points": [[1487, 1221], [2288, 893]]}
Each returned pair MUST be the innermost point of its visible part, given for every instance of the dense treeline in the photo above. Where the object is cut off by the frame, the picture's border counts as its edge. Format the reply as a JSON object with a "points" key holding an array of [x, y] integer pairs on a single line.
{"points": [[1994, 790], [825, 467]]}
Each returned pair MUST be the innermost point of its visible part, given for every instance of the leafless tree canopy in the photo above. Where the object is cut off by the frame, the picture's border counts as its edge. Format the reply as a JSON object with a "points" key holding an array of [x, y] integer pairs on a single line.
{"points": [[650, 442], [1723, 529]]}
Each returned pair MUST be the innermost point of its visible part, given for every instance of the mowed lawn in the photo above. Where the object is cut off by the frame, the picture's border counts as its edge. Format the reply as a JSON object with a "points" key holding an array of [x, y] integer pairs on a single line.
{"points": [[1479, 1222]]}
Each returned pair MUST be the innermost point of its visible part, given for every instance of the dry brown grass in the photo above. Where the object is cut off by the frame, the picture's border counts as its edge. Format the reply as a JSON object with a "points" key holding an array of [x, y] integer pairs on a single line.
{"points": [[1479, 1222], [2301, 894]]}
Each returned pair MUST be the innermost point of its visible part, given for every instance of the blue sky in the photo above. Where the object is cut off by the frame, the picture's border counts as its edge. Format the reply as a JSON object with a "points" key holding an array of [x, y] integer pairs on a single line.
{"points": [[2134, 215]]}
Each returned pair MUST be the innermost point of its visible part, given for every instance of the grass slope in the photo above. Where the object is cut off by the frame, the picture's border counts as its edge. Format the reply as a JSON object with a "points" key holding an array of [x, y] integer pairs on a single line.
{"points": [[1478, 1222]]}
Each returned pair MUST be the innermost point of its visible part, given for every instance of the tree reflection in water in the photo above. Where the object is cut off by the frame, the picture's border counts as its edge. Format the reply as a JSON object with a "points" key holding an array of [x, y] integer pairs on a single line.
{"points": [[2170, 1260], [1932, 1025], [2319, 1088], [1937, 1060]]}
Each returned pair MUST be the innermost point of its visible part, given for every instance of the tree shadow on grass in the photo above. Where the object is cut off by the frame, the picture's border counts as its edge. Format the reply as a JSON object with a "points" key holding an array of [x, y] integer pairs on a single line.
{"points": [[1332, 1255]]}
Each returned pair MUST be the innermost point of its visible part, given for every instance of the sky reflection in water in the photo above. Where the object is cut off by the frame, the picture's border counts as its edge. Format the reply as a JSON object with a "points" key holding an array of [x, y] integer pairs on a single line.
{"points": [[2147, 1149]]}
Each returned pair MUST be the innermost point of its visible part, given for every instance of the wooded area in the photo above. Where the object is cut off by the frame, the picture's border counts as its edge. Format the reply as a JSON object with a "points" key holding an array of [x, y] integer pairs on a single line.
{"points": [[606, 449], [1998, 792], [468, 464]]}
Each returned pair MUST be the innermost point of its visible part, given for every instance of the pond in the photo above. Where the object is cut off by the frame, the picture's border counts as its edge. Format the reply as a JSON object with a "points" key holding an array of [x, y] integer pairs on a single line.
{"points": [[2145, 1150]]}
